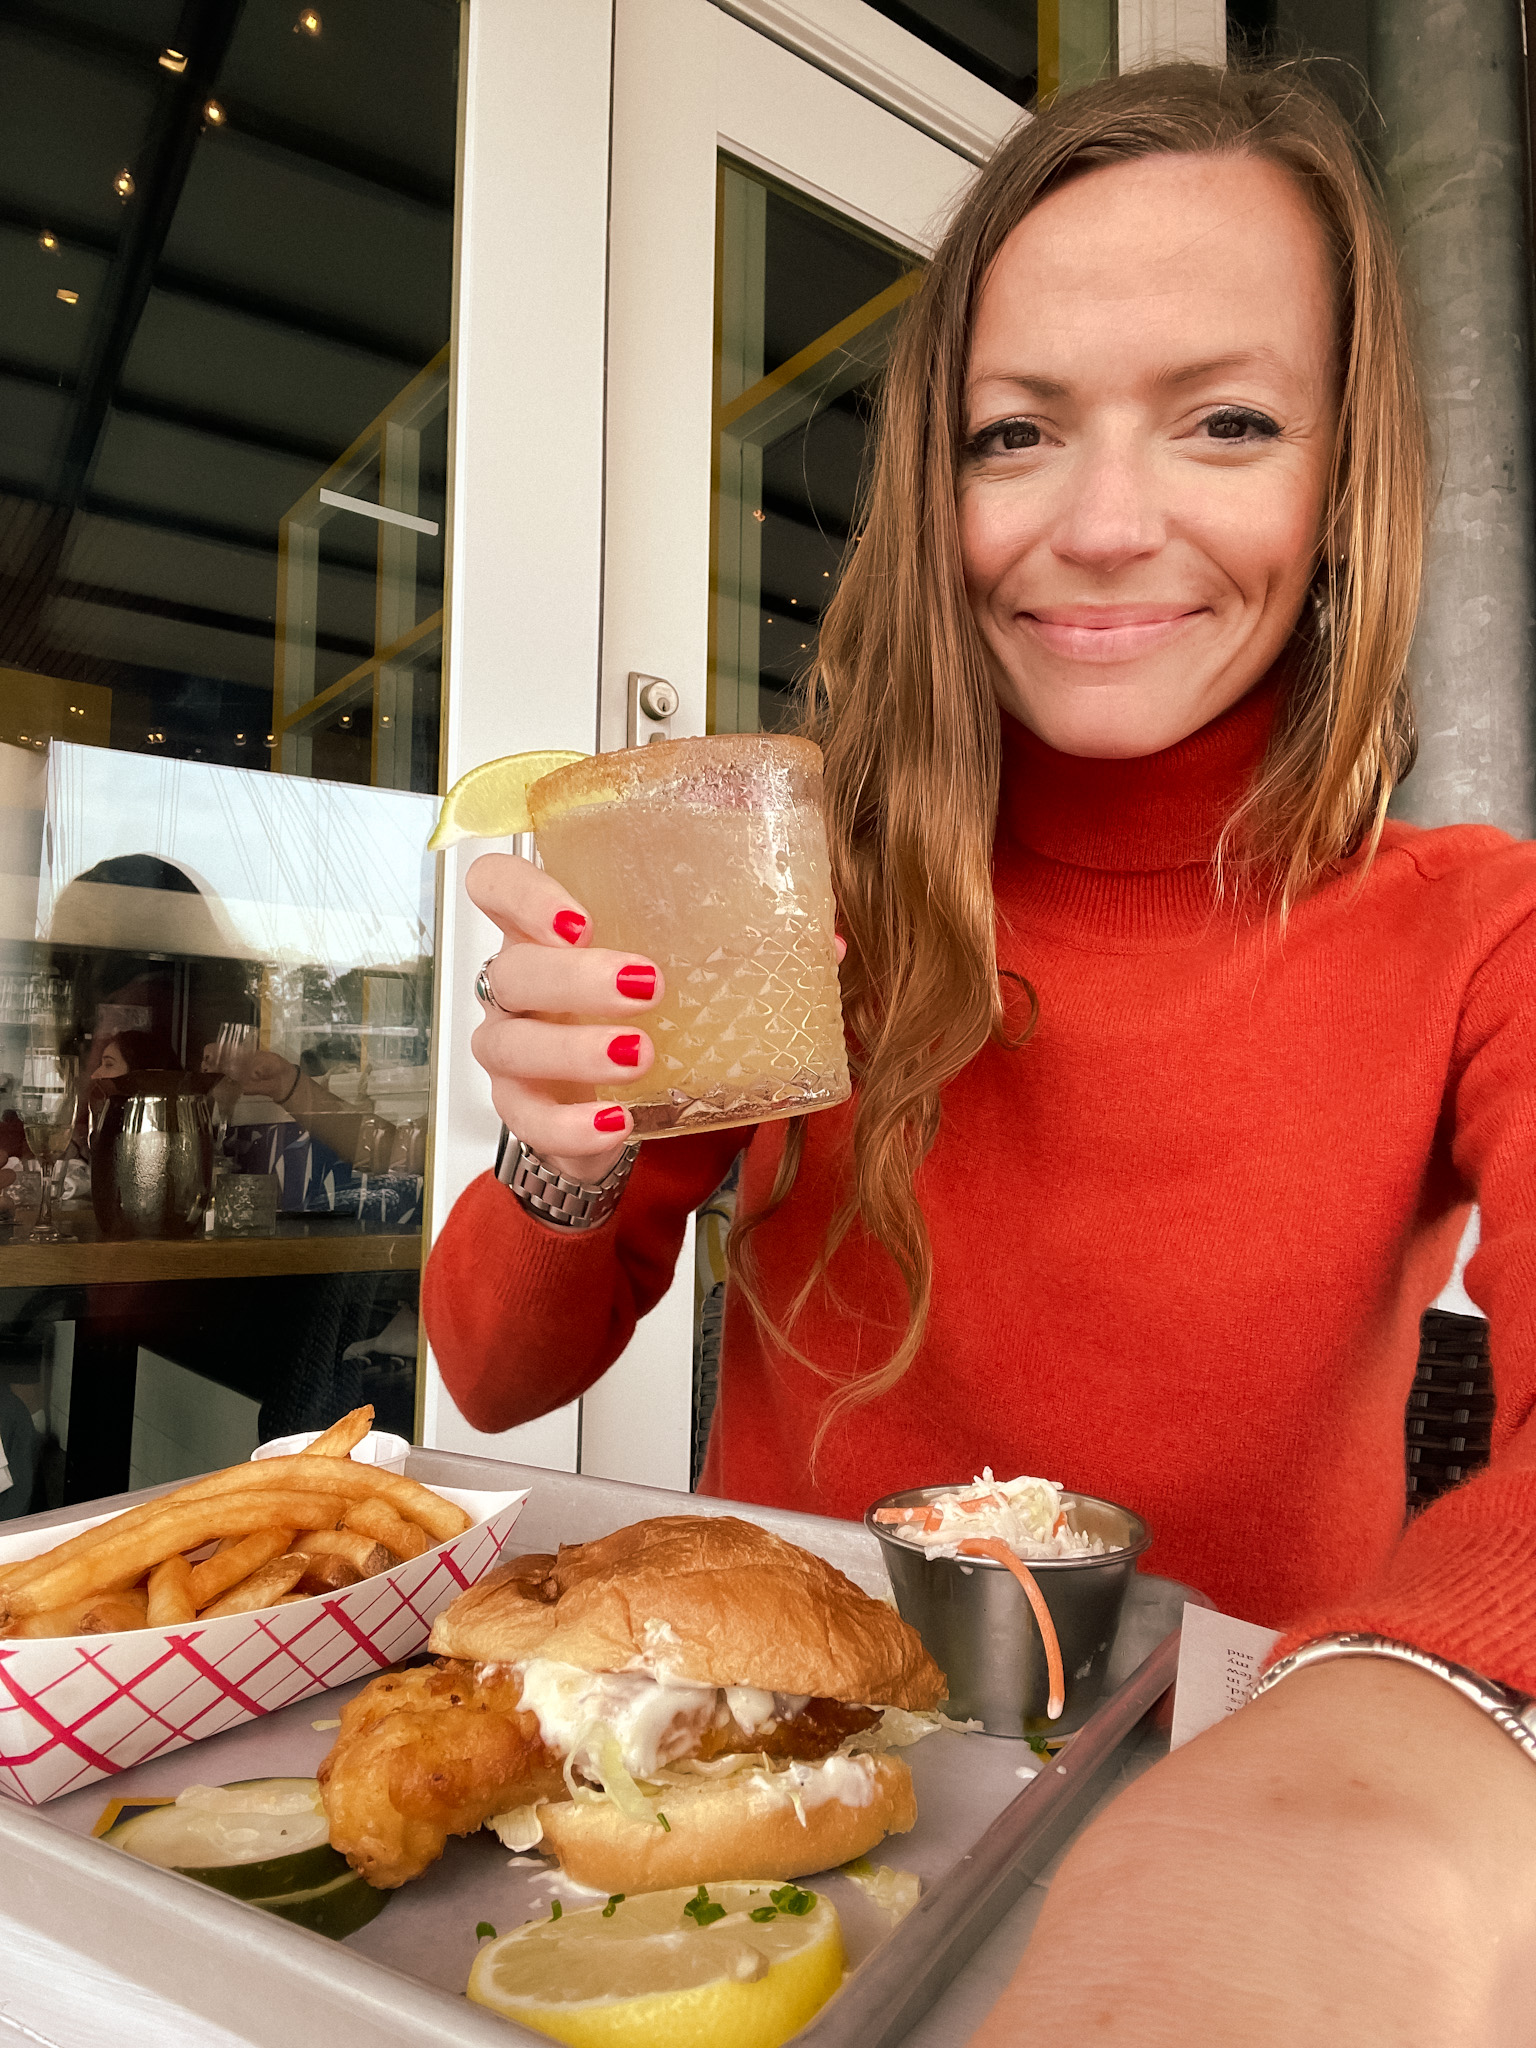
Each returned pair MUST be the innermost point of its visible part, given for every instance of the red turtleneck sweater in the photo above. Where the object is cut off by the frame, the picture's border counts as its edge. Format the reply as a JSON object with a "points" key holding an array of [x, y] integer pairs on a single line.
{"points": [[1181, 1240]]}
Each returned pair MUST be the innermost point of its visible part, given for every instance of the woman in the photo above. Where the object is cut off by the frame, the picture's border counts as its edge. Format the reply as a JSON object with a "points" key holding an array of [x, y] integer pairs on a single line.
{"points": [[1112, 702]]}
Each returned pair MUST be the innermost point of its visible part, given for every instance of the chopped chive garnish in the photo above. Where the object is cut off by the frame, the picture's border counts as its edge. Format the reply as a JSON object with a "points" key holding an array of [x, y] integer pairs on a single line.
{"points": [[665, 1822], [555, 1909], [483, 1929], [1039, 1745], [702, 1910], [613, 1905], [764, 1913], [790, 1899]]}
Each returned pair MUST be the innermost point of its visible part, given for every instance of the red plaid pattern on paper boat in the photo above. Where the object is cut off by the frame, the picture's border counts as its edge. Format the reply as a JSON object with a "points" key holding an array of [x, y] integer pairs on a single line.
{"points": [[77, 1708]]}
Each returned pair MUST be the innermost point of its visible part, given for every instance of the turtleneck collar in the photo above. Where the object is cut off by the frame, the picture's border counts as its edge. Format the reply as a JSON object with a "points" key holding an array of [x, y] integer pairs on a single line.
{"points": [[1143, 816]]}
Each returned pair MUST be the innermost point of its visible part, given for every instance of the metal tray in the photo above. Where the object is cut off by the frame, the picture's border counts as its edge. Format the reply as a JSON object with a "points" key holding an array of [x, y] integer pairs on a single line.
{"points": [[981, 1839]]}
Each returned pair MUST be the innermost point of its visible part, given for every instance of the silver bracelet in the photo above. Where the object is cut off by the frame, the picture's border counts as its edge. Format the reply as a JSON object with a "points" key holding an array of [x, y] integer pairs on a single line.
{"points": [[1514, 1712], [572, 1204]]}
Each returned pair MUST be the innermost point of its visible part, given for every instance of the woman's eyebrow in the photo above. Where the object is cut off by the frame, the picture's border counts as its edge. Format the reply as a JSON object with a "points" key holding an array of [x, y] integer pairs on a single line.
{"points": [[1261, 358], [1036, 387], [1173, 378]]}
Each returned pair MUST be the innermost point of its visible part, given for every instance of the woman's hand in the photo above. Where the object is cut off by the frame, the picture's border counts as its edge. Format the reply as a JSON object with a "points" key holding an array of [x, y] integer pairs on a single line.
{"points": [[542, 1064], [1351, 1859], [250, 1071]]}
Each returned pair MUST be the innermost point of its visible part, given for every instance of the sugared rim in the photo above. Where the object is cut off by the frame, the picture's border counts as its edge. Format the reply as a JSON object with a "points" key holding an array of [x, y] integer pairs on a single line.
{"points": [[916, 1496], [600, 778]]}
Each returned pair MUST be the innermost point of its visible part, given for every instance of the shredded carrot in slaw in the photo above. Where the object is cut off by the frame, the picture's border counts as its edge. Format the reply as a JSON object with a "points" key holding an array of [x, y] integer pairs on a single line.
{"points": [[994, 1547]]}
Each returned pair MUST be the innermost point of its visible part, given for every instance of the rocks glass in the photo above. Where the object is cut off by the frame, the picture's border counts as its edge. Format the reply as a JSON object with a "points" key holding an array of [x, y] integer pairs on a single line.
{"points": [[709, 857]]}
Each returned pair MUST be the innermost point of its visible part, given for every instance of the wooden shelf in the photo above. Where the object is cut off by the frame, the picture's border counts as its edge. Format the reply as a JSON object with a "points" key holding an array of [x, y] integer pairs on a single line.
{"points": [[327, 1246]]}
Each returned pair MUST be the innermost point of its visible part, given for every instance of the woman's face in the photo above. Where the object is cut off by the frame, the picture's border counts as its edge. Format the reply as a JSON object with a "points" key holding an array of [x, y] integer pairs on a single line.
{"points": [[111, 1063], [1151, 409]]}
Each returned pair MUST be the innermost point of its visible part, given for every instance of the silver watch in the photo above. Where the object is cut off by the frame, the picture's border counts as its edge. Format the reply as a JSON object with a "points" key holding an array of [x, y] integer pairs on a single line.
{"points": [[572, 1204], [1514, 1712]]}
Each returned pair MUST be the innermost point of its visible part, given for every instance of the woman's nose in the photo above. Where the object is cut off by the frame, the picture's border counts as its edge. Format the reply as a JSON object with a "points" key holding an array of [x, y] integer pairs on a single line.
{"points": [[1108, 514]]}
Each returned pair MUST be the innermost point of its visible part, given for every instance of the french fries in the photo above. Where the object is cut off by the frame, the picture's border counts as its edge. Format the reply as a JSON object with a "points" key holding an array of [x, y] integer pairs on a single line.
{"points": [[326, 1575], [180, 1525], [235, 1559], [361, 1552], [416, 1503], [342, 1438], [114, 1611], [263, 1588], [257, 1535], [170, 1593], [376, 1518]]}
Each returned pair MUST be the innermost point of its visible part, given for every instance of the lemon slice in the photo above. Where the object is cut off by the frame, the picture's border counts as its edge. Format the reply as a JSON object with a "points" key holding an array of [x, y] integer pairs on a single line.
{"points": [[650, 1974], [491, 801]]}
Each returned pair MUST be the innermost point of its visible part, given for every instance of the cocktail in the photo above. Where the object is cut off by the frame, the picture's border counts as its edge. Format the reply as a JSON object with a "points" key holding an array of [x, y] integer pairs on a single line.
{"points": [[709, 856]]}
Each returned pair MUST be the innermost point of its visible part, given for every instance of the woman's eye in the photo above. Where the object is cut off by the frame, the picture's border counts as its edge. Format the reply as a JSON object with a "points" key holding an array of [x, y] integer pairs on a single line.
{"points": [[1237, 423], [1005, 437]]}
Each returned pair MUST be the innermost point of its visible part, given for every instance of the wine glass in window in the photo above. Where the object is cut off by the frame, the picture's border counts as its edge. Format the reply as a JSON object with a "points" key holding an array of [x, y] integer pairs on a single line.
{"points": [[49, 1101]]}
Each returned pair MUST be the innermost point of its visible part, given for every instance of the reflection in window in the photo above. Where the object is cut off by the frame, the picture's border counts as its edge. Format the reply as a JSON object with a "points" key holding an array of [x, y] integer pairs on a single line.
{"points": [[806, 306], [225, 293]]}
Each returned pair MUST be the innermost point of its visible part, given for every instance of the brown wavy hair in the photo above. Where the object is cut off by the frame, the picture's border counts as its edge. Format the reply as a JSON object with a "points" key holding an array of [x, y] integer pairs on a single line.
{"points": [[900, 698]]}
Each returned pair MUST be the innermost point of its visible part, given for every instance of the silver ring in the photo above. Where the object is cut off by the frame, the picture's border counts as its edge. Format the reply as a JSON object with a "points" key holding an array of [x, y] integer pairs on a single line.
{"points": [[484, 990]]}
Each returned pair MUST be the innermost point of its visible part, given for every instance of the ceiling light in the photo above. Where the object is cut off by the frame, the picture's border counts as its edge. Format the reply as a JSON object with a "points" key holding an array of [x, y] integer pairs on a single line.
{"points": [[173, 60], [346, 718], [123, 186], [759, 517], [214, 114], [48, 240], [239, 739], [271, 739], [384, 719], [308, 23], [69, 298]]}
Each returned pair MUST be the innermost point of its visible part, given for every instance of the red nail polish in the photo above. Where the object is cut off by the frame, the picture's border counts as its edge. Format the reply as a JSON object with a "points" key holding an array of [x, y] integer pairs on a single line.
{"points": [[638, 983], [608, 1120], [624, 1050], [570, 924]]}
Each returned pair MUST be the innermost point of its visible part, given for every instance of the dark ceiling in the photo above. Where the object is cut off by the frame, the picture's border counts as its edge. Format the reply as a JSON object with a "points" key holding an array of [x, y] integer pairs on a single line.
{"points": [[280, 270]]}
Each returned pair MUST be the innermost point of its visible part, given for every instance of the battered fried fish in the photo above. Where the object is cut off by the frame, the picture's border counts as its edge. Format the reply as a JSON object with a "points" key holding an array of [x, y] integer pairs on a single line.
{"points": [[435, 1752], [426, 1754]]}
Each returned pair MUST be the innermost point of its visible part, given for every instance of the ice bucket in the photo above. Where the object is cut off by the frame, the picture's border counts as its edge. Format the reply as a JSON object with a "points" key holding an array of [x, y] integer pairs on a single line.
{"points": [[152, 1153]]}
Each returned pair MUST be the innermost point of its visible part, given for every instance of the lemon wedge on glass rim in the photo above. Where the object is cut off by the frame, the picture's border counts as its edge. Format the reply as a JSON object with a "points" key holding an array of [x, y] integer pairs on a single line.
{"points": [[656, 1972], [491, 801]]}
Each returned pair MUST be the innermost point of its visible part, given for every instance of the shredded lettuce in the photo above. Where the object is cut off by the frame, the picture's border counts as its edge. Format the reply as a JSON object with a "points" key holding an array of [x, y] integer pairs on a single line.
{"points": [[898, 1729], [597, 1739], [519, 1828]]}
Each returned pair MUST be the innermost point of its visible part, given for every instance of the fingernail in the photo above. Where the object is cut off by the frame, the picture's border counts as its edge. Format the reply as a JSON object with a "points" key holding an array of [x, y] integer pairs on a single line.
{"points": [[639, 983], [624, 1050], [570, 924], [608, 1120]]}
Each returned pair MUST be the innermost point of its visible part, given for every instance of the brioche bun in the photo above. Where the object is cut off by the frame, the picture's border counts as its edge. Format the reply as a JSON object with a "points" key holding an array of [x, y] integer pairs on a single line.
{"points": [[705, 1597], [723, 1828]]}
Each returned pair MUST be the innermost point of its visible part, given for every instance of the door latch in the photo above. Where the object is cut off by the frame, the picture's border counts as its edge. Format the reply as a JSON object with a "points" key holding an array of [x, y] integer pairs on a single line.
{"points": [[653, 703]]}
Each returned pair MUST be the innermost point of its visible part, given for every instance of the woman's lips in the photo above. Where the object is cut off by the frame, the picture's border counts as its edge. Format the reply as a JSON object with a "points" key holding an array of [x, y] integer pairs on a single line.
{"points": [[1108, 633]]}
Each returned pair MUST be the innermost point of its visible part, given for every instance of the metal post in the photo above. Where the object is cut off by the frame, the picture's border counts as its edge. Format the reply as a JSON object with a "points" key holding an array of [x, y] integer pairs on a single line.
{"points": [[1448, 78]]}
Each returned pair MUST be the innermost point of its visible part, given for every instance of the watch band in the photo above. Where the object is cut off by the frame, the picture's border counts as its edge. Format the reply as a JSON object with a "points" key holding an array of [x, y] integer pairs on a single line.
{"points": [[1514, 1712], [572, 1204]]}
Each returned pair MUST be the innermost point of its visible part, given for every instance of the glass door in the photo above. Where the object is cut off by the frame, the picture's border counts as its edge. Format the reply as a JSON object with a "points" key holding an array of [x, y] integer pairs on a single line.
{"points": [[768, 223], [806, 306]]}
